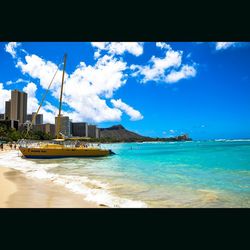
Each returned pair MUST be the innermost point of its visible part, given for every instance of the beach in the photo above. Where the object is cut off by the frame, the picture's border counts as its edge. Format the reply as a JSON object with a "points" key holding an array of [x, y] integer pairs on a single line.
{"points": [[18, 191], [207, 174], [7, 187]]}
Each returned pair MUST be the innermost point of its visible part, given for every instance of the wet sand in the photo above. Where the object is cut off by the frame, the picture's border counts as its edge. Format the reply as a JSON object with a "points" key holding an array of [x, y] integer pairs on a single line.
{"points": [[18, 191], [7, 187]]}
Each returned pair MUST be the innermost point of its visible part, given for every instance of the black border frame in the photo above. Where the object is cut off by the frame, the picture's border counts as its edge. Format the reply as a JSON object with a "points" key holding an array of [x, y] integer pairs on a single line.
{"points": [[204, 21]]}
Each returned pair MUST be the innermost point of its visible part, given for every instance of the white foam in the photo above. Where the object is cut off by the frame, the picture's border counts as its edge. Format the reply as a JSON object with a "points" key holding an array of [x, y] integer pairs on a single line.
{"points": [[152, 142], [232, 140], [78, 184]]}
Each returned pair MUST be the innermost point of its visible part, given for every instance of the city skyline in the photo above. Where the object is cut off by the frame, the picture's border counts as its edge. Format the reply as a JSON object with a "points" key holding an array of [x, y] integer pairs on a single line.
{"points": [[16, 117], [155, 89]]}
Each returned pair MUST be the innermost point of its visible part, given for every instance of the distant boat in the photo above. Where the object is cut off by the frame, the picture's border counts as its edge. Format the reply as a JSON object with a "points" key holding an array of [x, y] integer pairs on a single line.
{"points": [[60, 147]]}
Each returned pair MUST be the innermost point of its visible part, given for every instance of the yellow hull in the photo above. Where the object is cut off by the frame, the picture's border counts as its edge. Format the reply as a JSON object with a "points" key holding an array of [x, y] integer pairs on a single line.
{"points": [[59, 152]]}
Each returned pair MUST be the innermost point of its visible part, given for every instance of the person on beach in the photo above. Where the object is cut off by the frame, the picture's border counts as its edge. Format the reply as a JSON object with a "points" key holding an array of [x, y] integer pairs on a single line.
{"points": [[1, 146], [10, 145], [15, 146]]}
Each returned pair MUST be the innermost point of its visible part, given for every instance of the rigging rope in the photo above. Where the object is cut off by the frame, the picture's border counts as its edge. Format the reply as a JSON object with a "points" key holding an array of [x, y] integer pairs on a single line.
{"points": [[43, 98]]}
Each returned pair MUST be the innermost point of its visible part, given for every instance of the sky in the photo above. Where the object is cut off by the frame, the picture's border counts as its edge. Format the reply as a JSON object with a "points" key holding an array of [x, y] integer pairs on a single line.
{"points": [[158, 89]]}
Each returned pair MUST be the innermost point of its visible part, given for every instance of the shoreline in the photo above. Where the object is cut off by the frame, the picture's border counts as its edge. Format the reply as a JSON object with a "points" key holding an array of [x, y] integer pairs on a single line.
{"points": [[19, 191], [43, 189]]}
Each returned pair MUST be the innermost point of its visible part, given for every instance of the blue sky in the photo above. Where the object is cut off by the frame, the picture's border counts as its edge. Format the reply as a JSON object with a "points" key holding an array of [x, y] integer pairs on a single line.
{"points": [[155, 89]]}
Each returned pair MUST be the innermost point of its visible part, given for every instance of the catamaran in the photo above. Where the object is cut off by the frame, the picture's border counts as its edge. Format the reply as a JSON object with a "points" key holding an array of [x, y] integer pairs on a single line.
{"points": [[61, 146]]}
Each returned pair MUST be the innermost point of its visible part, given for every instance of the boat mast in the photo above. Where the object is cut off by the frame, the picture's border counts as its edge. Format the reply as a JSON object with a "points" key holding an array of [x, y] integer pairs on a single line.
{"points": [[41, 103], [60, 104]]}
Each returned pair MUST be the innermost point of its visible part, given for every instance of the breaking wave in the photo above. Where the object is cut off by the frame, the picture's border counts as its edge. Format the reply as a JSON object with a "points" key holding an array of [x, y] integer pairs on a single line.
{"points": [[92, 190]]}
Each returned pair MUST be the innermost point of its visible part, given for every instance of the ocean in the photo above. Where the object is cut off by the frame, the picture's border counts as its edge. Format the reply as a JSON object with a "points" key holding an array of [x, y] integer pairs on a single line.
{"points": [[192, 174]]}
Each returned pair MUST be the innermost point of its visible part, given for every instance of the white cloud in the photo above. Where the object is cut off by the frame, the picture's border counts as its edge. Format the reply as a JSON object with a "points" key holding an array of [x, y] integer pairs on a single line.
{"points": [[185, 72], [97, 54], [49, 107], [85, 90], [30, 89], [20, 80], [163, 45], [32, 102], [87, 85], [134, 114], [48, 117], [171, 131], [4, 96], [119, 48], [100, 45], [220, 46], [224, 45], [11, 48], [38, 68], [49, 111], [227, 45], [168, 69]]}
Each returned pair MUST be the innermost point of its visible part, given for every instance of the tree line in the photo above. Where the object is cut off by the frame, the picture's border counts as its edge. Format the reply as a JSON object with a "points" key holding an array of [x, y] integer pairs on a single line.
{"points": [[11, 134]]}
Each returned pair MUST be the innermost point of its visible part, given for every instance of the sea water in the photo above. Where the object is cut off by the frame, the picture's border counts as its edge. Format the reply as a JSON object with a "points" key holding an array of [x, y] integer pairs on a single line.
{"points": [[155, 174]]}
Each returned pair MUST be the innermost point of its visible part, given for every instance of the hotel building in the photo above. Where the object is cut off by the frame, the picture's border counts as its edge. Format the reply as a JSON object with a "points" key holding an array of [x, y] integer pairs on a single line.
{"points": [[64, 125], [18, 106]]}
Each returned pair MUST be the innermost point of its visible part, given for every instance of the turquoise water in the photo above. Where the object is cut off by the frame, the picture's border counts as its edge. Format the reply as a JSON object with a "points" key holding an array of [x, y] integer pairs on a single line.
{"points": [[179, 174], [164, 174]]}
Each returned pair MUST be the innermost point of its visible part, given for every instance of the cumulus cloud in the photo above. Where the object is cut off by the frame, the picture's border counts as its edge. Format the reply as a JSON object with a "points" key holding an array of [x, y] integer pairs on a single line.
{"points": [[43, 70], [30, 89], [167, 69], [32, 102], [97, 54], [134, 114], [163, 45], [87, 85], [185, 72], [118, 48], [224, 45], [11, 48], [4, 96], [86, 89], [19, 80]]}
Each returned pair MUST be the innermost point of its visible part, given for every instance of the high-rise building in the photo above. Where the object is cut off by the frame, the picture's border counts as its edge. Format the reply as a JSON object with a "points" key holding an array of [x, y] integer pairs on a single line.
{"points": [[29, 117], [7, 110], [64, 125], [38, 120], [80, 129], [18, 109], [46, 128], [70, 126], [93, 131], [50, 129], [98, 133]]}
